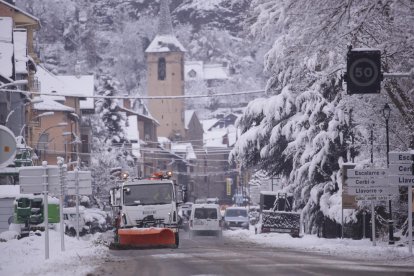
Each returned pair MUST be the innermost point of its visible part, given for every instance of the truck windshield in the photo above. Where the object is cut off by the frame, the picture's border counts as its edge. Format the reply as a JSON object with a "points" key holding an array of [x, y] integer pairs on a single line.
{"points": [[148, 194]]}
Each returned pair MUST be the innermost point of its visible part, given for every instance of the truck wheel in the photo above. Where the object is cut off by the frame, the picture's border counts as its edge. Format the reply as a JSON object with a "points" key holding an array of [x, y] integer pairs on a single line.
{"points": [[72, 232], [177, 240]]}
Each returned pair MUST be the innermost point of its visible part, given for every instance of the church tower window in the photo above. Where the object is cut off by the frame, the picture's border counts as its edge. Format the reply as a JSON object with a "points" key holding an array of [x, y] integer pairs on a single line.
{"points": [[161, 69]]}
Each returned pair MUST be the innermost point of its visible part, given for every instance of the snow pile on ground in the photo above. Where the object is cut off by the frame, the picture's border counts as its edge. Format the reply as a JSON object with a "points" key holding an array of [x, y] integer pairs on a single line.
{"points": [[27, 256], [359, 249]]}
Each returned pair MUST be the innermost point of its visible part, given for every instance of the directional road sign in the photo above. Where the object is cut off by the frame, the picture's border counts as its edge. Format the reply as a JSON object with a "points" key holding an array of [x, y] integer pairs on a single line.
{"points": [[401, 180], [401, 157], [32, 179], [379, 198], [85, 183], [367, 181], [365, 173], [401, 169], [375, 191]]}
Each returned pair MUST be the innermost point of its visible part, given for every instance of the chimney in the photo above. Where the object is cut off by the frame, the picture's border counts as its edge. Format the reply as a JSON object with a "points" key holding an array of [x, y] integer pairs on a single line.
{"points": [[127, 104]]}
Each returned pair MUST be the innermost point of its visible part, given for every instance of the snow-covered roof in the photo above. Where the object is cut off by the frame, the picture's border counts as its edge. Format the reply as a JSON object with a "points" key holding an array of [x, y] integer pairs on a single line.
{"points": [[139, 114], [80, 86], [187, 117], [20, 50], [163, 141], [214, 137], [132, 134], [193, 70], [67, 85], [215, 72], [207, 124], [132, 128], [184, 148], [6, 29], [6, 54], [21, 11], [165, 43], [50, 105], [197, 70], [9, 191]]}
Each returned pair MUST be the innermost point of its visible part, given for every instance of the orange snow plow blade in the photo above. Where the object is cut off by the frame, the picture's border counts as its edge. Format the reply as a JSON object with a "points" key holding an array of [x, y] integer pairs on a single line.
{"points": [[145, 238]]}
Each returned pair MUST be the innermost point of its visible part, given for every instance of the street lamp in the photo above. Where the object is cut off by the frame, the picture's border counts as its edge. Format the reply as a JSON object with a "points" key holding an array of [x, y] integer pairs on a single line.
{"points": [[62, 124], [386, 113], [44, 114], [14, 83], [76, 141]]}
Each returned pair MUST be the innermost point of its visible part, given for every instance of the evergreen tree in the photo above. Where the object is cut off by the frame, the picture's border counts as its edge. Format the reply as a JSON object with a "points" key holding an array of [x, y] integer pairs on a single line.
{"points": [[310, 126]]}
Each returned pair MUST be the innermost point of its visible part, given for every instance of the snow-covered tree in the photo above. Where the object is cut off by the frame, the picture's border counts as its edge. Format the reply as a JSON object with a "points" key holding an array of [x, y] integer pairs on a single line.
{"points": [[308, 126], [109, 147]]}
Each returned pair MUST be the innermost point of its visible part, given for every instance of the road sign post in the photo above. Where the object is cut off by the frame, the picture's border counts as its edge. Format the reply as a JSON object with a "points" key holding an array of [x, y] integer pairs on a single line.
{"points": [[402, 174]]}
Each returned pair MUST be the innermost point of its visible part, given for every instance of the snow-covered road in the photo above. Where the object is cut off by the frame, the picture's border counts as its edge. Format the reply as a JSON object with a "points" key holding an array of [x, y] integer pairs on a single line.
{"points": [[240, 248]]}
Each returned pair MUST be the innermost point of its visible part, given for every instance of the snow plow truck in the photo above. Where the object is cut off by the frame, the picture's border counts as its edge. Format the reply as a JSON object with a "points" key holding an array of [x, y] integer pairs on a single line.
{"points": [[277, 214], [147, 215]]}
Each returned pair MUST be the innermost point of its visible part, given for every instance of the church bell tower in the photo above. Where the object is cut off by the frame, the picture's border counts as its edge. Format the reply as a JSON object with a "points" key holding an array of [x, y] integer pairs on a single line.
{"points": [[165, 67]]}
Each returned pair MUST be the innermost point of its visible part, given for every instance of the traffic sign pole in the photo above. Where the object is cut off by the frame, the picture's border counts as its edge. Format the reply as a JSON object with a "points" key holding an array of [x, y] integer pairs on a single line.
{"points": [[410, 219], [374, 243], [62, 225]]}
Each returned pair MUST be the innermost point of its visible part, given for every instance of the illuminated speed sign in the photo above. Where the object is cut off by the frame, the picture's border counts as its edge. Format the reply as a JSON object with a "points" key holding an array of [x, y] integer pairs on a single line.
{"points": [[363, 71]]}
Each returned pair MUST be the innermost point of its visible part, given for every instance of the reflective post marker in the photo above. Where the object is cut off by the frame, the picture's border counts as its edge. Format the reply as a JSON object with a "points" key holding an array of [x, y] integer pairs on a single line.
{"points": [[77, 201], [62, 225], [46, 210], [374, 243]]}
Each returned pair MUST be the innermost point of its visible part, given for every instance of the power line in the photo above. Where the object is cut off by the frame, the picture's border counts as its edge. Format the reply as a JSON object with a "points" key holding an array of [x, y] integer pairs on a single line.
{"points": [[140, 97]]}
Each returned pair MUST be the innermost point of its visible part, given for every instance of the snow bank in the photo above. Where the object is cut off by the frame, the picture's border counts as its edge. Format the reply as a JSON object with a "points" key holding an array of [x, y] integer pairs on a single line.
{"points": [[27, 256], [356, 249]]}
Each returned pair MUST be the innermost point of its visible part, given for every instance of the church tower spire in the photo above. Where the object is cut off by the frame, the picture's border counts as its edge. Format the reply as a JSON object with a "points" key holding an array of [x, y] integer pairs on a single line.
{"points": [[165, 23]]}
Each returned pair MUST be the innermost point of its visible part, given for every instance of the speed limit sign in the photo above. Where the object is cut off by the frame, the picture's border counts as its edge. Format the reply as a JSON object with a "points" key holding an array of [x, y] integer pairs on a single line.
{"points": [[363, 71]]}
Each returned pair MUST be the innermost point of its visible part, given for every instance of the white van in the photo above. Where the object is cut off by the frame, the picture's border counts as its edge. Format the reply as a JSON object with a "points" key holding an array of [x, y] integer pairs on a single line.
{"points": [[205, 220]]}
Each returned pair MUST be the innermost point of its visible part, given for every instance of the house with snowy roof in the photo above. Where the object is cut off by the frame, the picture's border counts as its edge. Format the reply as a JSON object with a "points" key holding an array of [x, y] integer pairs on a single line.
{"points": [[213, 74], [57, 125], [193, 128], [18, 62], [141, 131]]}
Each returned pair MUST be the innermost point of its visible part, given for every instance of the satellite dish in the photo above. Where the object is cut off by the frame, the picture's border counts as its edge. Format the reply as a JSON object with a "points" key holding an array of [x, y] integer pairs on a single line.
{"points": [[8, 147]]}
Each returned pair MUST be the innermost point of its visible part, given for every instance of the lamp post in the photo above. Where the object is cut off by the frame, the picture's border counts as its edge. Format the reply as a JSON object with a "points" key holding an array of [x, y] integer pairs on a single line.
{"points": [[386, 112], [14, 83], [46, 130], [76, 141]]}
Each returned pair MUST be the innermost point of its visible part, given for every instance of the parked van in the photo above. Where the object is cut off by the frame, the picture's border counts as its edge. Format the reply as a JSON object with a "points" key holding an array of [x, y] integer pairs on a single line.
{"points": [[205, 220]]}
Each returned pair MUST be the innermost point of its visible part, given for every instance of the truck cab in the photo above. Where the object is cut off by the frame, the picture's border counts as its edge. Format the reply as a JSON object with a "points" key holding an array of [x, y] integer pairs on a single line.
{"points": [[150, 203]]}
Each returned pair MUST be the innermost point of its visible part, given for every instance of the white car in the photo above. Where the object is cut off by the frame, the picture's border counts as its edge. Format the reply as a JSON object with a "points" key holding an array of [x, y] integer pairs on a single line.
{"points": [[236, 217], [205, 220]]}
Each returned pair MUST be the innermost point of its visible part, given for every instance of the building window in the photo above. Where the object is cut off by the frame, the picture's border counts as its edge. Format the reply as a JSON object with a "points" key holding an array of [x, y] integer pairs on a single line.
{"points": [[161, 69], [192, 73], [85, 143]]}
